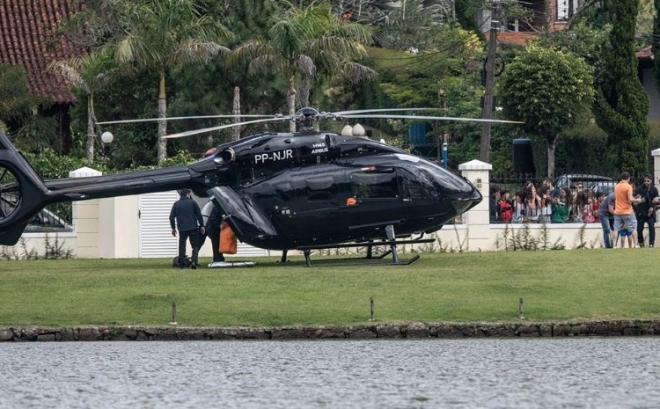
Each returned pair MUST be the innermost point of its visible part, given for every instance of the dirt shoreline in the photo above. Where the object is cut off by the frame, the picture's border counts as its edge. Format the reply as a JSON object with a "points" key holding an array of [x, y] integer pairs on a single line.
{"points": [[415, 330]]}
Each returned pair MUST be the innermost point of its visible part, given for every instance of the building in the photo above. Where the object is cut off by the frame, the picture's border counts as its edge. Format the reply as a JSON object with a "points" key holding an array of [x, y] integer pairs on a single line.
{"points": [[29, 38], [646, 69], [552, 15]]}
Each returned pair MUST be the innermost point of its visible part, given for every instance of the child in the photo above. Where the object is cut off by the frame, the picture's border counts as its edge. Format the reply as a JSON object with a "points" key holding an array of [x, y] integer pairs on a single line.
{"points": [[587, 212], [560, 208], [505, 208], [595, 208]]}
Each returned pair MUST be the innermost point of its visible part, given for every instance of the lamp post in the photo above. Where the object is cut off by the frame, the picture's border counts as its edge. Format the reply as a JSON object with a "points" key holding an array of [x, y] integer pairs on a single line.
{"points": [[442, 146], [107, 138]]}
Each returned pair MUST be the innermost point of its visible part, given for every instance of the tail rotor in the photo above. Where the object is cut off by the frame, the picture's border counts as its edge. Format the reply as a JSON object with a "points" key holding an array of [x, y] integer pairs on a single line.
{"points": [[22, 193]]}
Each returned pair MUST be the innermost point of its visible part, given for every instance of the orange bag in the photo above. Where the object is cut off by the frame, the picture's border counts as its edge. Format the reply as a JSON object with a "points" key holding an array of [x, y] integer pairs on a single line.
{"points": [[228, 241]]}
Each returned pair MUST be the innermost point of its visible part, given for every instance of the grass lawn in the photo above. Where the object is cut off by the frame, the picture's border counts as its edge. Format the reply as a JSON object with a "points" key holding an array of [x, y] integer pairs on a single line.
{"points": [[590, 284]]}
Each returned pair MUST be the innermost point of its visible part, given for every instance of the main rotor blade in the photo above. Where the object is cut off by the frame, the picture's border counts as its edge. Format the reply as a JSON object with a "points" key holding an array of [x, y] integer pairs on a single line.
{"points": [[432, 118], [179, 118], [221, 127], [366, 111]]}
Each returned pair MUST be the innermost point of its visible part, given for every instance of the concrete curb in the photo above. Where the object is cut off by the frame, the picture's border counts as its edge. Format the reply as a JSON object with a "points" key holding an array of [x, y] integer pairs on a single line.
{"points": [[416, 330]]}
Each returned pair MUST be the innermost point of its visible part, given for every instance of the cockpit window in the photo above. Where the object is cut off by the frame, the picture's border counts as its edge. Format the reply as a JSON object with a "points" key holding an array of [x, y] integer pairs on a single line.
{"points": [[416, 187], [444, 178], [375, 185]]}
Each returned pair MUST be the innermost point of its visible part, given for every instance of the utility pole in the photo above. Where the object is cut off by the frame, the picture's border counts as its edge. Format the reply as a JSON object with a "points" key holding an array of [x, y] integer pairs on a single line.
{"points": [[487, 112]]}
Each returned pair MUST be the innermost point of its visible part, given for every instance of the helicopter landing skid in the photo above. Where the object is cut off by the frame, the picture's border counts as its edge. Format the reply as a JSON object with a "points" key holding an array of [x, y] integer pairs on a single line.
{"points": [[370, 258]]}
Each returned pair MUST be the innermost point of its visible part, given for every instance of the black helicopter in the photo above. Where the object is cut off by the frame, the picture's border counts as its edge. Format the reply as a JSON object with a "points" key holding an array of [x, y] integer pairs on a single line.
{"points": [[305, 190]]}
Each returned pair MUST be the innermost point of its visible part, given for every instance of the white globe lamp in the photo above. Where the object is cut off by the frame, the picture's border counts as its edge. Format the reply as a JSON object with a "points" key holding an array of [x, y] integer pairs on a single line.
{"points": [[347, 131], [358, 130], [107, 137]]}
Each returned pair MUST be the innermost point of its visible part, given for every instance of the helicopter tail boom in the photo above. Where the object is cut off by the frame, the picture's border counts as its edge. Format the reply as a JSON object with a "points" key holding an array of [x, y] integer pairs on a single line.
{"points": [[122, 184], [23, 193]]}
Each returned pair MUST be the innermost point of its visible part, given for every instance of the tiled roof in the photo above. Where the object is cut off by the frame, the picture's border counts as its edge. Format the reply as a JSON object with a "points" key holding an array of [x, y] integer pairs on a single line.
{"points": [[28, 37]]}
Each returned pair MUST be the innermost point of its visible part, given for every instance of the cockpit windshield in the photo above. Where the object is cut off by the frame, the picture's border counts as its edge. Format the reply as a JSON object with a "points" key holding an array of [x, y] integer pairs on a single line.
{"points": [[440, 176]]}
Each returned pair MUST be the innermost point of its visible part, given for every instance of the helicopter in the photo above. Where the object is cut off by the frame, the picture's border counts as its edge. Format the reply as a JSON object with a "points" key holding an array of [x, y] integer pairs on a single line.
{"points": [[281, 191]]}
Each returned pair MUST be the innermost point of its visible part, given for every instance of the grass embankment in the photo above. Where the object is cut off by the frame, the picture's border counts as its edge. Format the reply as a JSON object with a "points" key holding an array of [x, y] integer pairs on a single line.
{"points": [[562, 285]]}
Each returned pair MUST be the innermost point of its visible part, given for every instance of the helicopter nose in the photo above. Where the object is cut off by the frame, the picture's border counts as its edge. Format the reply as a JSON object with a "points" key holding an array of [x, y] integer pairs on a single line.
{"points": [[465, 199], [462, 194]]}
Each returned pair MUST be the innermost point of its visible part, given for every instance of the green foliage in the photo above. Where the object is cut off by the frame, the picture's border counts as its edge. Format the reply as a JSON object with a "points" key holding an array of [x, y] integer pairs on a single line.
{"points": [[645, 22], [445, 76], [49, 165], [16, 102], [656, 42], [621, 106], [307, 41], [547, 89], [162, 34], [412, 25], [27, 119], [38, 132], [181, 158], [582, 40], [581, 149]]}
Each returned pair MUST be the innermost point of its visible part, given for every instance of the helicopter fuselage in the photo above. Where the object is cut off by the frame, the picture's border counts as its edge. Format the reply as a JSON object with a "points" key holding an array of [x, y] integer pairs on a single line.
{"points": [[322, 188], [278, 190]]}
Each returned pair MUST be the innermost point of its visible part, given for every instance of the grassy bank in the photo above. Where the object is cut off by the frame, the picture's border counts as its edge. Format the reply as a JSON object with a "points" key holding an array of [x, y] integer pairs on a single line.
{"points": [[595, 284]]}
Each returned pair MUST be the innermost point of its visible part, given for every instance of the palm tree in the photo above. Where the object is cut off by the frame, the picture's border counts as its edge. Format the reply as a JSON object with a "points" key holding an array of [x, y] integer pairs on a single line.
{"points": [[304, 41], [87, 73], [165, 34]]}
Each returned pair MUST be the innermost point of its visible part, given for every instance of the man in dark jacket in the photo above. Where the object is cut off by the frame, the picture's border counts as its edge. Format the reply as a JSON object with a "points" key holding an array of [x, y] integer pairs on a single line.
{"points": [[645, 211], [190, 225], [213, 230]]}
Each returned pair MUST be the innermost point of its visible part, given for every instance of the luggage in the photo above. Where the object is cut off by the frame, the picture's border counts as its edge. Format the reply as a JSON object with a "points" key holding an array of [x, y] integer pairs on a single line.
{"points": [[186, 262], [228, 242]]}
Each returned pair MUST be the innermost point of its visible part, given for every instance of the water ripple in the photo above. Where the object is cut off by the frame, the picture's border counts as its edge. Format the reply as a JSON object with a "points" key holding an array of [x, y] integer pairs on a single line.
{"points": [[493, 373]]}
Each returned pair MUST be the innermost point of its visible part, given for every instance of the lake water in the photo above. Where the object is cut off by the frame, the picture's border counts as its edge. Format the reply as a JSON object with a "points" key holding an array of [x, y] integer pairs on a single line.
{"points": [[494, 373]]}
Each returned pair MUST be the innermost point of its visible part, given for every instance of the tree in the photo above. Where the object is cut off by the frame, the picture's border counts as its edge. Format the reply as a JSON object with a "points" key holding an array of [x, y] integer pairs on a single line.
{"points": [[656, 41], [16, 102], [547, 89], [88, 73], [621, 106], [165, 34], [303, 41]]}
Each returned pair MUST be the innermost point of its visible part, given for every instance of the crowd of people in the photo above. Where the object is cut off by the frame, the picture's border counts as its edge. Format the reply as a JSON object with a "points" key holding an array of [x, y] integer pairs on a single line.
{"points": [[623, 213], [545, 204]]}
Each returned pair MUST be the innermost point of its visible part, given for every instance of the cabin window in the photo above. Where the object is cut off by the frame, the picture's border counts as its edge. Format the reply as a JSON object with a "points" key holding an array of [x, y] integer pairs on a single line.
{"points": [[375, 185], [320, 188]]}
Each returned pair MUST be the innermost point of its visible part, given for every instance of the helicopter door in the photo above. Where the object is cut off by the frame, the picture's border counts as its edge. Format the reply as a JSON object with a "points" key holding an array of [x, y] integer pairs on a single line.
{"points": [[243, 215], [378, 197]]}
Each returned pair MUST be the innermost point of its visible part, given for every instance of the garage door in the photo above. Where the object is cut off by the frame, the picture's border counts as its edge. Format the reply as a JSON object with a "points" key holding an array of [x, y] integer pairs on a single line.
{"points": [[155, 234]]}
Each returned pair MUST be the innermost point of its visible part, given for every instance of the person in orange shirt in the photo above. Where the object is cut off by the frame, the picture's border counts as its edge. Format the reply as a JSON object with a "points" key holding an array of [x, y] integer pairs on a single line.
{"points": [[624, 214]]}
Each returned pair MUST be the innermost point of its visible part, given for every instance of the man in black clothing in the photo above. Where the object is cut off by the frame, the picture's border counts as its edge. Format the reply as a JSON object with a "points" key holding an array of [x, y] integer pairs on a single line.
{"points": [[645, 211], [213, 231], [190, 224]]}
